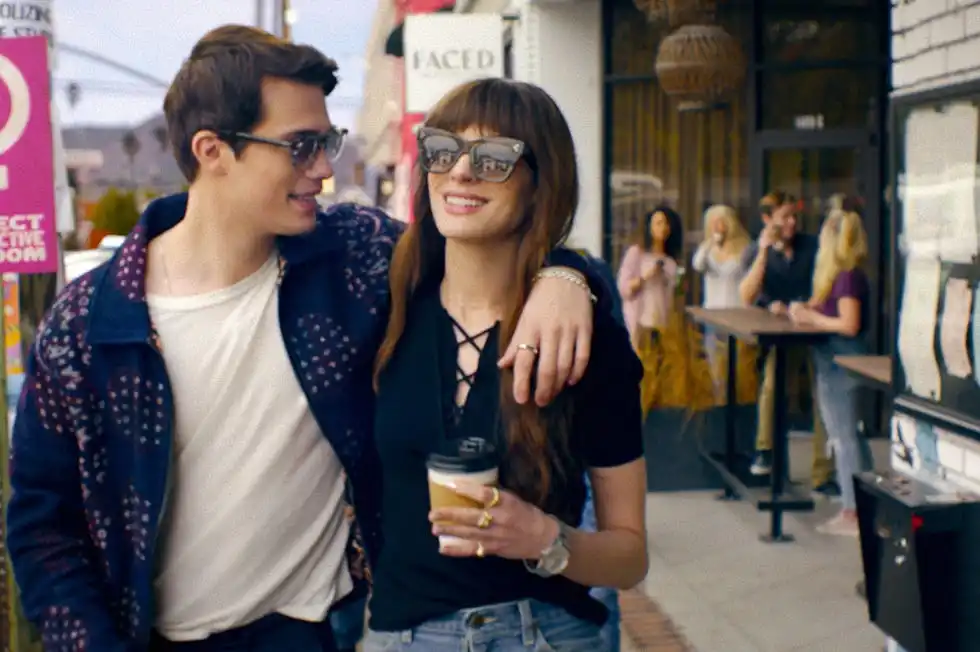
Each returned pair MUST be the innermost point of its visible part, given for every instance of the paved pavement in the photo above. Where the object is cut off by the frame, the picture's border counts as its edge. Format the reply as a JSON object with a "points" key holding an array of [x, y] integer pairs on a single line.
{"points": [[726, 591]]}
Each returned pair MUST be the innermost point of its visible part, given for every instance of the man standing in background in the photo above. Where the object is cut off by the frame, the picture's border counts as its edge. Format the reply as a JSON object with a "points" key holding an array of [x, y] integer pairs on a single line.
{"points": [[780, 267]]}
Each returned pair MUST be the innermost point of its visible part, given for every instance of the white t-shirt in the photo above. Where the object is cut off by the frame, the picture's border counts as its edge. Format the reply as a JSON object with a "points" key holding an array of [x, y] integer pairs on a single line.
{"points": [[254, 520]]}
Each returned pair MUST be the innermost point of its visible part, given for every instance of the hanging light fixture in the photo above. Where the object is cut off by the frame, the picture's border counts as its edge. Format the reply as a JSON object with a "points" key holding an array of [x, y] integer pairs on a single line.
{"points": [[700, 66]]}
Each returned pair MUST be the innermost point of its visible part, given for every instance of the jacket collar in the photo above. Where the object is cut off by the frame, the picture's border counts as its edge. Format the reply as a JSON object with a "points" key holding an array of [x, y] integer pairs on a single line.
{"points": [[119, 313]]}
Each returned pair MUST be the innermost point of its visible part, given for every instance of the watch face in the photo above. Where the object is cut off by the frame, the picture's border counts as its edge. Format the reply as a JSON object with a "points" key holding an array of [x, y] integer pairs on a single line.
{"points": [[556, 560]]}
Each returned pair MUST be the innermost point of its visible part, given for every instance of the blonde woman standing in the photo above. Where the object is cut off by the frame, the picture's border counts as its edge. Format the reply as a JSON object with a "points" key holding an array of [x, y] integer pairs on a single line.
{"points": [[719, 260], [719, 257], [839, 305]]}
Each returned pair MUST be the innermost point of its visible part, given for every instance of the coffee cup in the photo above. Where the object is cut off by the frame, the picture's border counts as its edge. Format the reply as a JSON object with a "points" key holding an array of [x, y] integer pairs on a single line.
{"points": [[472, 461]]}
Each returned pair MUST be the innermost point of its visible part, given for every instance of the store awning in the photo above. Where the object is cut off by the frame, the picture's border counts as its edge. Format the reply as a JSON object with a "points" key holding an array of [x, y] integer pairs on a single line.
{"points": [[395, 45]]}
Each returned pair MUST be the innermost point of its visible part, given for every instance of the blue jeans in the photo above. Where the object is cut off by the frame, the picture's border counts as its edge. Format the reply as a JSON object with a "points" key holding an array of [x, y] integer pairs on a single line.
{"points": [[272, 633], [348, 624], [524, 626], [837, 396], [608, 597]]}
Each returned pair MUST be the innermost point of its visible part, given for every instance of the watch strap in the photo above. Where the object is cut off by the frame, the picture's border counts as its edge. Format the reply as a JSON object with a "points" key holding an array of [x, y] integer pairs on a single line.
{"points": [[554, 555]]}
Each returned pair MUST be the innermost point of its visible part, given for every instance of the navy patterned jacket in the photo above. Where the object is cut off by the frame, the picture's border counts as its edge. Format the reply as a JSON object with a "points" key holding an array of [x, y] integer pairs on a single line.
{"points": [[91, 445]]}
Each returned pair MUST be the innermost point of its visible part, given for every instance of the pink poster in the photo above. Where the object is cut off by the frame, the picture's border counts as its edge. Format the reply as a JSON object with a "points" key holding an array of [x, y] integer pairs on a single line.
{"points": [[28, 240]]}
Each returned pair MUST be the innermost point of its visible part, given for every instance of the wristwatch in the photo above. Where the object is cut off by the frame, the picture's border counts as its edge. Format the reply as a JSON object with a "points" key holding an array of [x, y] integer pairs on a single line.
{"points": [[554, 558]]}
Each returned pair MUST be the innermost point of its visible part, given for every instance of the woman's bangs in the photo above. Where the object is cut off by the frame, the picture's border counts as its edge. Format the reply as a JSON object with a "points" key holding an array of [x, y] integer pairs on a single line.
{"points": [[496, 107]]}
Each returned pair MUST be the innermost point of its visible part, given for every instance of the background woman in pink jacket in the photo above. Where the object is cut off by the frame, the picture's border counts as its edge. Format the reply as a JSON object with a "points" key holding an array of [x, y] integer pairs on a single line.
{"points": [[648, 275]]}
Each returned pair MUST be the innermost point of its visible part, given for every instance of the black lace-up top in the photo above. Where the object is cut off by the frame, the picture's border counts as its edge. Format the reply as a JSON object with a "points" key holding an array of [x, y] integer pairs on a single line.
{"points": [[451, 384], [417, 414]]}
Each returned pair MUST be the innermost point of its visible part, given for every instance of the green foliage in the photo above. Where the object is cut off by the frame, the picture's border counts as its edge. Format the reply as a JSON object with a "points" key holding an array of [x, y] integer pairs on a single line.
{"points": [[116, 213]]}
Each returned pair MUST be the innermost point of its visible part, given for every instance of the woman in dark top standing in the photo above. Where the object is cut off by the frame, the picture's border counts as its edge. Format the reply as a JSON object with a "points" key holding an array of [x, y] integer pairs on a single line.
{"points": [[496, 190]]}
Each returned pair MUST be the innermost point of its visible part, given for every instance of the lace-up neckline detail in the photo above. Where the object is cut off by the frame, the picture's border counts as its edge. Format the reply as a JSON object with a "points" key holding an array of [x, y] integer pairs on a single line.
{"points": [[469, 350]]}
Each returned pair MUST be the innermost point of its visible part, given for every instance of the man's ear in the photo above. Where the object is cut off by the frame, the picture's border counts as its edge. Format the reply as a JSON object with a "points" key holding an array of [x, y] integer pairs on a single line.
{"points": [[213, 154]]}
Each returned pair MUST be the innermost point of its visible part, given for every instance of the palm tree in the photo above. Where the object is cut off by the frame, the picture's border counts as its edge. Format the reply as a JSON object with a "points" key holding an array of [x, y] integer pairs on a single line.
{"points": [[131, 146], [160, 133]]}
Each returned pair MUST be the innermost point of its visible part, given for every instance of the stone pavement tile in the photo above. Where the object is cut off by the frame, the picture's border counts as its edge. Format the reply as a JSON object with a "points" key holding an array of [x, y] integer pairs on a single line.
{"points": [[800, 611], [726, 590], [709, 631], [670, 591], [728, 577], [685, 528], [855, 639]]}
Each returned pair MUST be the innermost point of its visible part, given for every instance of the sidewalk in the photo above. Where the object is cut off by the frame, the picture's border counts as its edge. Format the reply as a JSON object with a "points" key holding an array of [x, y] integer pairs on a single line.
{"points": [[725, 591]]}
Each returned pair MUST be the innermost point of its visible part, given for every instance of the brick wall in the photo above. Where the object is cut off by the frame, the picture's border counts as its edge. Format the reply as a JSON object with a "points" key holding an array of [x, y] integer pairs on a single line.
{"points": [[934, 43]]}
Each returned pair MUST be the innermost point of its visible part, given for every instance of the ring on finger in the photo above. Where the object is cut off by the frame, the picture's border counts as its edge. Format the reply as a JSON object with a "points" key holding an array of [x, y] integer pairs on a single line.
{"points": [[480, 551], [528, 347], [486, 520], [495, 499]]}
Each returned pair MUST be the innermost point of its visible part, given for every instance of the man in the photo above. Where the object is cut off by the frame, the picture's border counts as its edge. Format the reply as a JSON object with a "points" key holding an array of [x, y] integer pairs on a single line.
{"points": [[610, 633], [193, 406], [780, 268]]}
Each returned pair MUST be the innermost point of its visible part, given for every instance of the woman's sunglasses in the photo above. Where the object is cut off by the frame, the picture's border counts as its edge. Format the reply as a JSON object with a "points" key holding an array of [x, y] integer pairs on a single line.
{"points": [[492, 159], [305, 149]]}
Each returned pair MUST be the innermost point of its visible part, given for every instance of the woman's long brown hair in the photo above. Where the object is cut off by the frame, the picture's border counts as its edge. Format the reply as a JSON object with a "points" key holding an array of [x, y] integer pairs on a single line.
{"points": [[537, 464]]}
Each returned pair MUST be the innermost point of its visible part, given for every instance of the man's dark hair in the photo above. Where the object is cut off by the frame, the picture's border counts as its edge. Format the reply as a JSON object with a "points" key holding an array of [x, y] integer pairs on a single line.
{"points": [[219, 86], [773, 200]]}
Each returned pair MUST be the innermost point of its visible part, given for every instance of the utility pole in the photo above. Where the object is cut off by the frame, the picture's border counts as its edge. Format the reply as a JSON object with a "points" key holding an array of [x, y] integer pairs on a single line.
{"points": [[259, 13], [287, 20]]}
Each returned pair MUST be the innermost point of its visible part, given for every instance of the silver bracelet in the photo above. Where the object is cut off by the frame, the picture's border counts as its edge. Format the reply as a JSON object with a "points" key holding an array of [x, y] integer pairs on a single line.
{"points": [[565, 275]]}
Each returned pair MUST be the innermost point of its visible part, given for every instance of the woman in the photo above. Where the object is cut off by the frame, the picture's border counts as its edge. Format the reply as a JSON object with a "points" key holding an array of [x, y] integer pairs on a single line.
{"points": [[719, 260], [840, 306], [675, 374], [648, 274], [719, 257], [496, 190]]}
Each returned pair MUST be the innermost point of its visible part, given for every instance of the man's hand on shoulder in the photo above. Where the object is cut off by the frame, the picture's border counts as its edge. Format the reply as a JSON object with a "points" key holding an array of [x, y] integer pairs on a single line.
{"points": [[555, 330]]}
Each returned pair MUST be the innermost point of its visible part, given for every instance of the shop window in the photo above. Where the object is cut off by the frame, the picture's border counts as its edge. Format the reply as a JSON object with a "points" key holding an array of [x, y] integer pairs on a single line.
{"points": [[658, 154], [822, 4], [937, 248], [820, 98], [850, 36], [634, 40], [661, 156]]}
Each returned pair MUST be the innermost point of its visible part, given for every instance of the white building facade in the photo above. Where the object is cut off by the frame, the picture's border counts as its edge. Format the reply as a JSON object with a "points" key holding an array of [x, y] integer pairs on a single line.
{"points": [[557, 44], [934, 135]]}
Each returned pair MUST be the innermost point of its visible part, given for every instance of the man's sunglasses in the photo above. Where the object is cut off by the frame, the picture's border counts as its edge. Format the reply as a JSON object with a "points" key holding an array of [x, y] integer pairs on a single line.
{"points": [[492, 159], [306, 148]]}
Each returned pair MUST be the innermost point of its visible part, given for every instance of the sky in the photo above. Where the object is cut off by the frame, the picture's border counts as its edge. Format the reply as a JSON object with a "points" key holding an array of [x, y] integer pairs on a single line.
{"points": [[154, 37]]}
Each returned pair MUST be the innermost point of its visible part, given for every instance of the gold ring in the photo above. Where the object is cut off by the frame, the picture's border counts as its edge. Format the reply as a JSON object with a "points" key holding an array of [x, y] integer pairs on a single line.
{"points": [[486, 520], [480, 552], [528, 347], [495, 500]]}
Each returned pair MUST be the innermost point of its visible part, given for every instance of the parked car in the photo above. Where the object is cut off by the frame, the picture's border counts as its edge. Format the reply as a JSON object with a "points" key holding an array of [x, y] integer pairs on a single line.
{"points": [[79, 262]]}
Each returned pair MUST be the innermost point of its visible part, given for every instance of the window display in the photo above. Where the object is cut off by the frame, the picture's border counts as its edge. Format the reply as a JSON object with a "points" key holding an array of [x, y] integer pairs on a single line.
{"points": [[937, 257]]}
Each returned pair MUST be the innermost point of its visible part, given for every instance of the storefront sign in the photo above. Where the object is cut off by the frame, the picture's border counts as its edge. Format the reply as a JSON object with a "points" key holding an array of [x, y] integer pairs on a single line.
{"points": [[445, 50], [28, 242], [31, 18]]}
